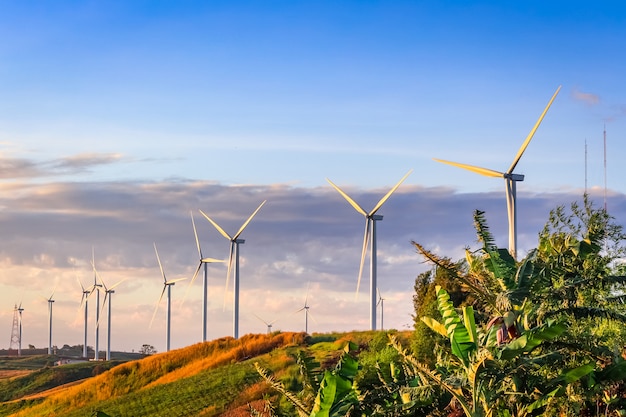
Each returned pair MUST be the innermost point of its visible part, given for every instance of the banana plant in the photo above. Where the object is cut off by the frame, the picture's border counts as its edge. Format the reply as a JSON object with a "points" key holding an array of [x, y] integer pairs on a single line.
{"points": [[476, 379], [336, 394]]}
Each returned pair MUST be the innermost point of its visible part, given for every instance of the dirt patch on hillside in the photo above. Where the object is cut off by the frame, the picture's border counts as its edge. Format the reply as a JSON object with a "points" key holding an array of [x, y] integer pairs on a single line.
{"points": [[12, 373]]}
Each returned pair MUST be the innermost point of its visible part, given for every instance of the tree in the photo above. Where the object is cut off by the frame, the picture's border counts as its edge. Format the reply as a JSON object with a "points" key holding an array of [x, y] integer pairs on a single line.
{"points": [[147, 350]]}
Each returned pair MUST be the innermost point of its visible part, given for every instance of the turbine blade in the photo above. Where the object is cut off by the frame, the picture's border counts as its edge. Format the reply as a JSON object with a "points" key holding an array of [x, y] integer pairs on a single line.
{"points": [[156, 308], [53, 291], [366, 238], [176, 280], [81, 284], [104, 303], [117, 283], [532, 133], [160, 266], [97, 277], [395, 187], [217, 226], [243, 226], [193, 279], [195, 232], [229, 270], [348, 198], [482, 171], [211, 260], [306, 297], [195, 275], [266, 323]]}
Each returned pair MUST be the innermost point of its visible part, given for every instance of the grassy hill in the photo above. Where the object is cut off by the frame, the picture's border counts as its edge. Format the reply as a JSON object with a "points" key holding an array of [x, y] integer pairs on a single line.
{"points": [[207, 379]]}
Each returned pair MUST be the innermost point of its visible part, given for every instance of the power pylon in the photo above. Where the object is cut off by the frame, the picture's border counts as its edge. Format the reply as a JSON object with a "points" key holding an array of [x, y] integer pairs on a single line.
{"points": [[16, 330]]}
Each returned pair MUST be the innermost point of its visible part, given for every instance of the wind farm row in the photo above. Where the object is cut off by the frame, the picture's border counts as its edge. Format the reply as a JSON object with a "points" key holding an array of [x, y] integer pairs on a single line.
{"points": [[103, 294]]}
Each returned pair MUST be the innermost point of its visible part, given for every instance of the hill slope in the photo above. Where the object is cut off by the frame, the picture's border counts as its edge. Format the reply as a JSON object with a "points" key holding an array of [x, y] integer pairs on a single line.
{"points": [[216, 378]]}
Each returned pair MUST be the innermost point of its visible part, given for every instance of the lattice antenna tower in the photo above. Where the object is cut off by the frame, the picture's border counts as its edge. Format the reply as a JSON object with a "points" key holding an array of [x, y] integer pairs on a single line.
{"points": [[16, 341]]}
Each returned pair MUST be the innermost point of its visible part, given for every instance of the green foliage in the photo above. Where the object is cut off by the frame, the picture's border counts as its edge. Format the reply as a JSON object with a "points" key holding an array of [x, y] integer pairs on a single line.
{"points": [[556, 317]]}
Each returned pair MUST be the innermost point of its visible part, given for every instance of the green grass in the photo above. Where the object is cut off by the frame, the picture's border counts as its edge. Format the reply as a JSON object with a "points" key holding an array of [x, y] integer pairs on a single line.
{"points": [[206, 379], [33, 362], [47, 378]]}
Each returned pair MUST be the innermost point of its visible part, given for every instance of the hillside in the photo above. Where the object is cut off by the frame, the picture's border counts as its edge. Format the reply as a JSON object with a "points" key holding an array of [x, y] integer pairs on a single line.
{"points": [[207, 379]]}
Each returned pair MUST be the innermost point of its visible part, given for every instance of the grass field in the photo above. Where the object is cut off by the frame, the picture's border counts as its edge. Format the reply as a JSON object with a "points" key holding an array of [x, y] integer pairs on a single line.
{"points": [[216, 378]]}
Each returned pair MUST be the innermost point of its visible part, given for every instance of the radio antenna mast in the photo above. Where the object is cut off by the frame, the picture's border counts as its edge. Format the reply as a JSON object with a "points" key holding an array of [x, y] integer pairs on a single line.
{"points": [[605, 167], [585, 166]]}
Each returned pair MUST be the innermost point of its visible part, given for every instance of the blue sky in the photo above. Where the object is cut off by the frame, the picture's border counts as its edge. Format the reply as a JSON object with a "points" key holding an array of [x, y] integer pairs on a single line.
{"points": [[113, 113]]}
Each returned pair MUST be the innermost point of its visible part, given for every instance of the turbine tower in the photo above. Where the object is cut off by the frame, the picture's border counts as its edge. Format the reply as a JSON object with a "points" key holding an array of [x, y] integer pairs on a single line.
{"points": [[50, 301], [370, 232], [234, 256], [510, 179], [167, 285], [108, 294], [19, 344], [83, 302], [205, 280], [96, 287]]}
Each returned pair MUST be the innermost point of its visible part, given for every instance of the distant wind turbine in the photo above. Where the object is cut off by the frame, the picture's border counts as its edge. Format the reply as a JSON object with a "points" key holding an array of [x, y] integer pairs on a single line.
{"points": [[167, 285], [50, 301], [83, 302], [370, 232], [108, 295], [510, 179], [305, 308], [381, 302], [269, 325], [234, 256], [205, 285], [19, 344]]}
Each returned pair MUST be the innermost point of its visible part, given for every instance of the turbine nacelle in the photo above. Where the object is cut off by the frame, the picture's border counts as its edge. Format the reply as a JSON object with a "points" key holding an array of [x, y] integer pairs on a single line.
{"points": [[514, 177]]}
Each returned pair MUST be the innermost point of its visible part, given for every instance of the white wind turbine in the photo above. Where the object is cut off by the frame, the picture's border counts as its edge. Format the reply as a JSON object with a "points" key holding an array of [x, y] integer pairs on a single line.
{"points": [[50, 301], [381, 302], [305, 308], [370, 233], [83, 301], [108, 295], [234, 256], [205, 285], [510, 179], [19, 345], [167, 285], [269, 325]]}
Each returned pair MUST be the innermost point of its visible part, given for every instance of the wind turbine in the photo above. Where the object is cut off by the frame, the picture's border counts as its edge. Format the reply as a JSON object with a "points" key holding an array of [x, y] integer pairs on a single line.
{"points": [[205, 285], [370, 232], [510, 179], [381, 302], [83, 301], [50, 301], [305, 308], [269, 325], [167, 285], [234, 256], [108, 294]]}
